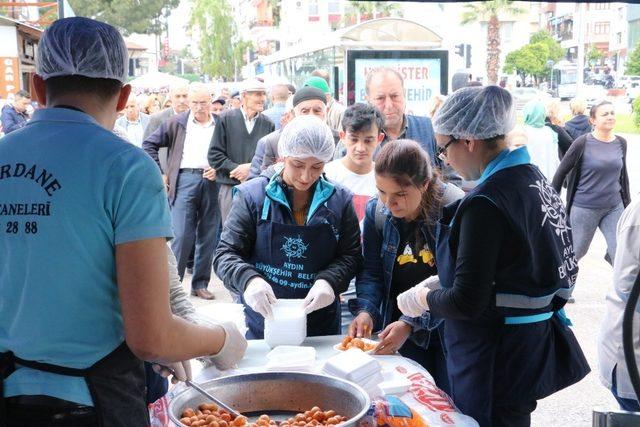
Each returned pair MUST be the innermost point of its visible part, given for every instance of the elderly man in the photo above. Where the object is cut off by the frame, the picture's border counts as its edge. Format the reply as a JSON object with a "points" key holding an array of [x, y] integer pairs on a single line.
{"points": [[133, 122], [279, 95], [335, 110], [235, 139], [14, 115], [193, 192], [385, 90], [217, 106]]}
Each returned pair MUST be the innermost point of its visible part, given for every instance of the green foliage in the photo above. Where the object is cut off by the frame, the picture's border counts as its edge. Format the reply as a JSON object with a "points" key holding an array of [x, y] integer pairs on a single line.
{"points": [[633, 62], [221, 52], [486, 9], [131, 16], [636, 112], [531, 59], [593, 54]]}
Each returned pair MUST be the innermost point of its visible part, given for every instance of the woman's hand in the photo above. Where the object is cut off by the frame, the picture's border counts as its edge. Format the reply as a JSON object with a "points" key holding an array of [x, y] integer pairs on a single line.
{"points": [[361, 326], [393, 337]]}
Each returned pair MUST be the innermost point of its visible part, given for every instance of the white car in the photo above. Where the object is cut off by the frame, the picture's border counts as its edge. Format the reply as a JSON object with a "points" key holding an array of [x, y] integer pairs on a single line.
{"points": [[592, 94], [522, 95]]}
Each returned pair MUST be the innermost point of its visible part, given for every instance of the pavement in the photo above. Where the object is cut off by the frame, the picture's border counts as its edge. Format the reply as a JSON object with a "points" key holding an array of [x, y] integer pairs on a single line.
{"points": [[574, 405]]}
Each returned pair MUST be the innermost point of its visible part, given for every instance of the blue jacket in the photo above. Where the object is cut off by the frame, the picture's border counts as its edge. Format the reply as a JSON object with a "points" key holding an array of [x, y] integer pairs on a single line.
{"points": [[11, 119], [380, 248]]}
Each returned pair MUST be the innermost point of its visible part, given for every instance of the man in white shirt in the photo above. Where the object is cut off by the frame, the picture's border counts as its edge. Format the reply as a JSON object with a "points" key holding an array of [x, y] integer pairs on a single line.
{"points": [[626, 267], [361, 134], [133, 122], [192, 187]]}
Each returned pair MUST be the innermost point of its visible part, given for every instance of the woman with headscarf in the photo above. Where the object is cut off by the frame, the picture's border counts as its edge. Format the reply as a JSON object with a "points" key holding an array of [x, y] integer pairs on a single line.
{"points": [[294, 235], [506, 269], [542, 141]]}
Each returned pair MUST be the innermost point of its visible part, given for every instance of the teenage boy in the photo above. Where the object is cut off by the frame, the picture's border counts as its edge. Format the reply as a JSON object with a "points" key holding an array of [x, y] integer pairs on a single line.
{"points": [[361, 134]]}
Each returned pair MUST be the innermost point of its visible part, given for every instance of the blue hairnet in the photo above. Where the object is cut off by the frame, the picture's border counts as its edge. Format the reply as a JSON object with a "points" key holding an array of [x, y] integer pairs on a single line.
{"points": [[82, 47], [306, 136], [476, 113]]}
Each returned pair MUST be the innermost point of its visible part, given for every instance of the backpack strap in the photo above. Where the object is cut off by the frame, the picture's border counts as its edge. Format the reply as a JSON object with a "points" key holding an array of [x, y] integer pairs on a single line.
{"points": [[380, 216]]}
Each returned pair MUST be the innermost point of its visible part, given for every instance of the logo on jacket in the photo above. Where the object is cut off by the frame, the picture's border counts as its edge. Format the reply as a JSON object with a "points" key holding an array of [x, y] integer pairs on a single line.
{"points": [[294, 247], [553, 210]]}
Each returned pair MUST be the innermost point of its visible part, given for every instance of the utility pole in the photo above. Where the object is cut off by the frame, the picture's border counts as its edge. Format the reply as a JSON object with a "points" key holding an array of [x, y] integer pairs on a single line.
{"points": [[60, 9], [581, 30]]}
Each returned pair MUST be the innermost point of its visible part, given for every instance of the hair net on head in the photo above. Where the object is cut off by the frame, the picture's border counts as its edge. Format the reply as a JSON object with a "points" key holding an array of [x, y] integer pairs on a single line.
{"points": [[476, 113], [82, 47], [306, 136]]}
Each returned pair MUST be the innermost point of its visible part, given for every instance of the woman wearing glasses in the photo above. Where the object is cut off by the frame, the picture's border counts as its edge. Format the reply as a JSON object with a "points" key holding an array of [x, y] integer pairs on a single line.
{"points": [[506, 269], [399, 246]]}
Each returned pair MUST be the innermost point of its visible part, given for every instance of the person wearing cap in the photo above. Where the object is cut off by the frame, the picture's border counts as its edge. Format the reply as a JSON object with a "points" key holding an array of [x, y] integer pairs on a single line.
{"points": [[234, 141], [294, 235], [217, 107], [192, 187], [306, 101], [320, 79], [506, 268], [84, 287], [279, 96], [235, 101]]}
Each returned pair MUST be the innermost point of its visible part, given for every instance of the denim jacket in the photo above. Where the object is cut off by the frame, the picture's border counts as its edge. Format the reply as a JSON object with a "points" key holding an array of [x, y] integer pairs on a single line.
{"points": [[373, 282]]}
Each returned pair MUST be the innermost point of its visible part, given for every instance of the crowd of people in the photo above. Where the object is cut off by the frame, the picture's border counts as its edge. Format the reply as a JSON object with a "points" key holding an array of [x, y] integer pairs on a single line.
{"points": [[356, 210]]}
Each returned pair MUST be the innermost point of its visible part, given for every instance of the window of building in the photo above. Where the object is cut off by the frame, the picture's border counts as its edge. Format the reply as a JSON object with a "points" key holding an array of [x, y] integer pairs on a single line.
{"points": [[313, 8], [333, 6], [601, 6], [618, 38], [601, 28]]}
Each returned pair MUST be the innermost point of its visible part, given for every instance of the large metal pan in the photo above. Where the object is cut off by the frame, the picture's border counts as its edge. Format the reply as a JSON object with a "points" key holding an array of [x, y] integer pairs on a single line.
{"points": [[279, 395]]}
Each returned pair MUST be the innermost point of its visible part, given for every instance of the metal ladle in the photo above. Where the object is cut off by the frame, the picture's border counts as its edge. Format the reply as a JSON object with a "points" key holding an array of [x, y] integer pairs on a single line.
{"points": [[205, 393]]}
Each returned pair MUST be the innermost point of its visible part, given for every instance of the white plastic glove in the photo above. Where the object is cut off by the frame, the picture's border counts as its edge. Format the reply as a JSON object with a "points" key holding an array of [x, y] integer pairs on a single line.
{"points": [[413, 302], [260, 297], [320, 295], [235, 344], [431, 282], [182, 370]]}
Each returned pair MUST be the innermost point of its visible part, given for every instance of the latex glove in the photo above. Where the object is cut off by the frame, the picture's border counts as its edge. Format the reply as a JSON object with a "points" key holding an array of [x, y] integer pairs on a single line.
{"points": [[393, 337], [361, 326], [260, 297], [431, 282], [413, 302], [182, 370], [232, 351], [320, 295]]}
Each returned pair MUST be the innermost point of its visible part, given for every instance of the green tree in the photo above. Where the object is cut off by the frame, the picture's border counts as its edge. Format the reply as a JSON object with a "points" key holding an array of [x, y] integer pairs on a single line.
{"points": [[129, 15], [593, 55], [221, 50], [370, 10], [633, 62], [531, 59], [489, 10]]}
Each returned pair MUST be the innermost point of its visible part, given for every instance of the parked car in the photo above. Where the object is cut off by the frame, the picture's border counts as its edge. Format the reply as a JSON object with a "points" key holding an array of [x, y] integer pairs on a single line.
{"points": [[633, 90], [627, 81], [522, 95], [592, 94]]}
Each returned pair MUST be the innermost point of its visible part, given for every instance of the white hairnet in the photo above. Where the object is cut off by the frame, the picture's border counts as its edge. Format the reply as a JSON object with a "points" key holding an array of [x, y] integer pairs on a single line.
{"points": [[82, 47], [476, 113], [306, 136]]}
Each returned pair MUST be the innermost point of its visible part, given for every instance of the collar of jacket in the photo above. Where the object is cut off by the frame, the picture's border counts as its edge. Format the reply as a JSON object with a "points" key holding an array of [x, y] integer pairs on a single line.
{"points": [[275, 192], [506, 159]]}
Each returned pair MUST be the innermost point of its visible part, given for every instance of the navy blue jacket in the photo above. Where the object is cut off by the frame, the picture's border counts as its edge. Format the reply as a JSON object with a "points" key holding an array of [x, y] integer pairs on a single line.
{"points": [[579, 125], [331, 203], [11, 119]]}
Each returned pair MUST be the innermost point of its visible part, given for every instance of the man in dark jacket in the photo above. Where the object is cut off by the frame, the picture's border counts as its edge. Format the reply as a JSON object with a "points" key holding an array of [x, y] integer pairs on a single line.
{"points": [[234, 141], [579, 125], [385, 90], [14, 116]]}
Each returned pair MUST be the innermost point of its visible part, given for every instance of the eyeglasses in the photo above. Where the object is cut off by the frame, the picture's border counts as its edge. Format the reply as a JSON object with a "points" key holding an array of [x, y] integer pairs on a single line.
{"points": [[442, 151]]}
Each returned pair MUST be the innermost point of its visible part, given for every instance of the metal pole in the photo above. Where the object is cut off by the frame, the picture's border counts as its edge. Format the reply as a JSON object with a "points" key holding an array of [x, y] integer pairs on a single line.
{"points": [[60, 9]]}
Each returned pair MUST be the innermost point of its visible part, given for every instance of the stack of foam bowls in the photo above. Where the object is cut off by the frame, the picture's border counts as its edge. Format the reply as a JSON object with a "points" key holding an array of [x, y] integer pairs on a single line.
{"points": [[356, 366], [288, 325], [291, 358]]}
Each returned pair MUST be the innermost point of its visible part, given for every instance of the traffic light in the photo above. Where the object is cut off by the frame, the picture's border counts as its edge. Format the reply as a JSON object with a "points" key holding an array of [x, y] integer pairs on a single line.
{"points": [[467, 56], [460, 49]]}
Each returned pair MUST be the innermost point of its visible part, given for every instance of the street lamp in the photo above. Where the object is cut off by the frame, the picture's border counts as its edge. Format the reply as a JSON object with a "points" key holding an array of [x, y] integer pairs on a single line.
{"points": [[550, 65]]}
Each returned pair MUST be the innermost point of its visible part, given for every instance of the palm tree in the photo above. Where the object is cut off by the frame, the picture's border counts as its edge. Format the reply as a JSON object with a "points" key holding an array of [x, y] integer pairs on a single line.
{"points": [[480, 11], [371, 10]]}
